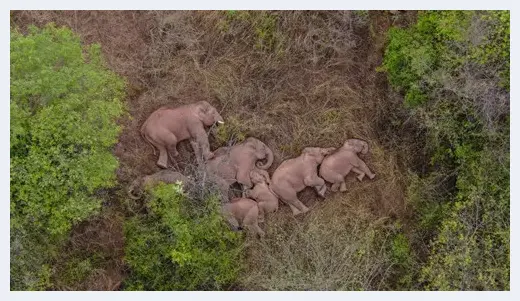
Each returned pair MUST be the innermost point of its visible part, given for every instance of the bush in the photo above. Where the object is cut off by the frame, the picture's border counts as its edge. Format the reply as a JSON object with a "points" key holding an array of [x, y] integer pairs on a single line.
{"points": [[453, 67], [63, 107], [181, 245]]}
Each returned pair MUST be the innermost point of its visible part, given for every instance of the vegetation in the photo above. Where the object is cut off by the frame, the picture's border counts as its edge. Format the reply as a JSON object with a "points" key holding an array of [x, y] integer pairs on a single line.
{"points": [[436, 117], [181, 245], [63, 107], [453, 67]]}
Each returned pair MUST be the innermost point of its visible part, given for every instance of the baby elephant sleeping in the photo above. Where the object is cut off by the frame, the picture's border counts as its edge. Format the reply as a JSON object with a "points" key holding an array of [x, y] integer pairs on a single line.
{"points": [[336, 166], [267, 200], [243, 213]]}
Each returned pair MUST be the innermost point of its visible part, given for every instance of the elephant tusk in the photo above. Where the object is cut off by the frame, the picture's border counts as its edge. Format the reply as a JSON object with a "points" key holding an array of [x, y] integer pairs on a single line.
{"points": [[220, 122]]}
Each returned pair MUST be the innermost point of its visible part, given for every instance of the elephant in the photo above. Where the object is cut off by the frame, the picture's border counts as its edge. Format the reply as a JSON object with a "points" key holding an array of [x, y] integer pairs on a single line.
{"points": [[236, 162], [335, 167], [266, 198], [168, 176], [243, 213], [135, 190], [293, 175], [167, 126]]}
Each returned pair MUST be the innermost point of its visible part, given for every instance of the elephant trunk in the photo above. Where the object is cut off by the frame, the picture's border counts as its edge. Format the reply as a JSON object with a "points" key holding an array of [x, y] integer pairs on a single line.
{"points": [[270, 158], [365, 147]]}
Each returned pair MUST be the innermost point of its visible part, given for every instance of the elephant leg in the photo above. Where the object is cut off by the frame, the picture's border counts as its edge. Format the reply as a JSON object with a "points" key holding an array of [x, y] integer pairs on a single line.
{"points": [[295, 202], [251, 221], [172, 150], [321, 190], [203, 144], [294, 210], [197, 151], [261, 212], [163, 157], [335, 187], [244, 178], [364, 168], [360, 173], [343, 187]]}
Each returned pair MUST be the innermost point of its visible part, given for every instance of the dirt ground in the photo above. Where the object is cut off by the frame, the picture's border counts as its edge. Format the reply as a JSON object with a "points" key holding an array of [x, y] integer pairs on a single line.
{"points": [[291, 79]]}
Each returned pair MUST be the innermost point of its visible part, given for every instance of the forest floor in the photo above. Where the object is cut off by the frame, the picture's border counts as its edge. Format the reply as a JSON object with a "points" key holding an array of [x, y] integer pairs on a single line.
{"points": [[291, 79]]}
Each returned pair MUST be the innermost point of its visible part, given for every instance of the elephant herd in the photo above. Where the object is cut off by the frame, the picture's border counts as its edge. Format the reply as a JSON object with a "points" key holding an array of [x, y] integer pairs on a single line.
{"points": [[242, 163]]}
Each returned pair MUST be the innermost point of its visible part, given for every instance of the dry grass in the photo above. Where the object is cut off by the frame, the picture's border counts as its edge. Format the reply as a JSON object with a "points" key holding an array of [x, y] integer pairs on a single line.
{"points": [[291, 79]]}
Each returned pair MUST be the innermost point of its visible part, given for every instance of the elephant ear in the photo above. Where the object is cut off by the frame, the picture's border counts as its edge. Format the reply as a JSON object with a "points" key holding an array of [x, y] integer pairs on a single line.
{"points": [[201, 109]]}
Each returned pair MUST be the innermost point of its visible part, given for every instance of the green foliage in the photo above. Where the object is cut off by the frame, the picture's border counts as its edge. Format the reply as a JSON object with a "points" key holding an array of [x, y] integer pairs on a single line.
{"points": [[234, 130], [64, 105], [463, 202], [181, 245], [263, 24], [445, 40]]}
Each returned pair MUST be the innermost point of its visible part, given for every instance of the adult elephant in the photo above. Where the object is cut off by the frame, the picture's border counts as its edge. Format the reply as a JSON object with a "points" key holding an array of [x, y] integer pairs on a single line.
{"points": [[337, 166], [293, 175], [236, 162], [167, 126]]}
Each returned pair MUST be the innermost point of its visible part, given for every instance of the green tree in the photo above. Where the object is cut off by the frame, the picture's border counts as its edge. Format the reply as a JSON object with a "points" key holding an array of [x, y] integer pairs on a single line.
{"points": [[181, 244], [64, 105], [453, 68]]}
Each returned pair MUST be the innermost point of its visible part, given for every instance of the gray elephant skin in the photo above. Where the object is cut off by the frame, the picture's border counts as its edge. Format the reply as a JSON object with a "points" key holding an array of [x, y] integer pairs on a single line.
{"points": [[267, 200], [293, 175], [335, 167], [236, 162], [167, 126], [243, 212]]}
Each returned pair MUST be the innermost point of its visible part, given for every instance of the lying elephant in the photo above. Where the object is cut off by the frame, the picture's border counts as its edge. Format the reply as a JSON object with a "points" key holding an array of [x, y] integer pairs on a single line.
{"points": [[135, 190], [168, 176], [335, 167], [293, 175], [266, 198], [167, 126], [236, 162], [243, 213]]}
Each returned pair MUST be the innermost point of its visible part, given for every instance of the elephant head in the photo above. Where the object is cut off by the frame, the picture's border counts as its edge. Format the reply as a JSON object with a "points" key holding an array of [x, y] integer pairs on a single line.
{"points": [[356, 145], [259, 176], [262, 151], [317, 153], [207, 113]]}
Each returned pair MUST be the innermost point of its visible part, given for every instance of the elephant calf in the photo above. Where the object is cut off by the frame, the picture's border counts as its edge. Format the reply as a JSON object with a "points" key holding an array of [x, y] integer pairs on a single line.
{"points": [[293, 175], [166, 176], [243, 212], [335, 167], [266, 198], [236, 162]]}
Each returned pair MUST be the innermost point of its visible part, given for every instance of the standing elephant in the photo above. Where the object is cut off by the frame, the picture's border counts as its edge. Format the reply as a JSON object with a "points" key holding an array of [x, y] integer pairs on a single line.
{"points": [[236, 162], [293, 175], [335, 167], [167, 126], [243, 212], [135, 190], [266, 198]]}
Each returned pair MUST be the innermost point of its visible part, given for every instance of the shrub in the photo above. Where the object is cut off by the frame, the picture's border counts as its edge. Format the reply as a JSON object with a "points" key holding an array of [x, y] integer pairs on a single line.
{"points": [[453, 67], [63, 107], [181, 245]]}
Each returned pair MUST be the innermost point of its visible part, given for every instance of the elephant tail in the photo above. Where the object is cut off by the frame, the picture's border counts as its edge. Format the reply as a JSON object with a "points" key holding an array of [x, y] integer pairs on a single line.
{"points": [[146, 138]]}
